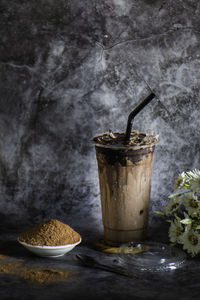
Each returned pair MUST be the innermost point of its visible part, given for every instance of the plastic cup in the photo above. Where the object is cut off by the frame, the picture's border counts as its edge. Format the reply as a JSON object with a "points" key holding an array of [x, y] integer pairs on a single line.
{"points": [[125, 182]]}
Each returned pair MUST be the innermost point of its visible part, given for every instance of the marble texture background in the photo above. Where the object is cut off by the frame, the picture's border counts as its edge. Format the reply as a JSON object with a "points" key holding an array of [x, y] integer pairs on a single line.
{"points": [[72, 69]]}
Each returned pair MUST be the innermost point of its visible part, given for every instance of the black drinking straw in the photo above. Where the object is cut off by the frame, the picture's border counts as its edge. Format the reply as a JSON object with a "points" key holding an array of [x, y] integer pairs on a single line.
{"points": [[133, 114]]}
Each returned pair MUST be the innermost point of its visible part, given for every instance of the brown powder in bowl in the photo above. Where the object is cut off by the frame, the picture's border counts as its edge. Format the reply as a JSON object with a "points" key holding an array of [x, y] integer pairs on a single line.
{"points": [[50, 233]]}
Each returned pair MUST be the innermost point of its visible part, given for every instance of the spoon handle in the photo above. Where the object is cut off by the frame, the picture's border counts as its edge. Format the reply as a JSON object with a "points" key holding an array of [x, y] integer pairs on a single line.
{"points": [[92, 263]]}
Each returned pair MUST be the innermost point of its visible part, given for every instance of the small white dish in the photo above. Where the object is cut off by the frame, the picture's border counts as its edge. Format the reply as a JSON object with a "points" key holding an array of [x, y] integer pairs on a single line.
{"points": [[49, 251]]}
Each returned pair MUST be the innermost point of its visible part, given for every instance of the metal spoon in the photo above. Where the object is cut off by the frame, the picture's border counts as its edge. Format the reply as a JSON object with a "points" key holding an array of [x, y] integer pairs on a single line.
{"points": [[92, 263]]}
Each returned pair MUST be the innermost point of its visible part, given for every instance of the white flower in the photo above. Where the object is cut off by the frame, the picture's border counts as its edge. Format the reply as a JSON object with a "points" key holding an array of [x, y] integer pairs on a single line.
{"points": [[195, 185], [192, 204], [193, 174], [180, 181], [172, 205], [191, 242], [175, 231], [194, 180], [184, 207]]}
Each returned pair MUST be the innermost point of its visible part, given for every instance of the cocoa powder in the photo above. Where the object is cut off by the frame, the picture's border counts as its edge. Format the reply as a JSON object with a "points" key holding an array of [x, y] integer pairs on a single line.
{"points": [[34, 275], [44, 276], [50, 233], [3, 256], [9, 267]]}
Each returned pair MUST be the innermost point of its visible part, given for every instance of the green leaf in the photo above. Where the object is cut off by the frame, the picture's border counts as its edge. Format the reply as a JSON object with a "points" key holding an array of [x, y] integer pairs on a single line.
{"points": [[174, 195], [186, 221], [198, 227], [159, 213], [181, 192], [176, 217]]}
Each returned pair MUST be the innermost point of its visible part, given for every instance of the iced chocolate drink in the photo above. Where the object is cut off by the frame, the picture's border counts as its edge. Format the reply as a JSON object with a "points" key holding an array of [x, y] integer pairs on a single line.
{"points": [[125, 180]]}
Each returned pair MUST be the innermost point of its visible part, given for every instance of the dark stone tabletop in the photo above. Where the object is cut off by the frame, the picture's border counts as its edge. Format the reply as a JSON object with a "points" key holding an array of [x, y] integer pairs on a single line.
{"points": [[89, 283]]}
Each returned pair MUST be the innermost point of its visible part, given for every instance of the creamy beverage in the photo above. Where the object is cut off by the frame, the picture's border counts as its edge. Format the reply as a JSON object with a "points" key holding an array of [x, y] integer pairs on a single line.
{"points": [[125, 181]]}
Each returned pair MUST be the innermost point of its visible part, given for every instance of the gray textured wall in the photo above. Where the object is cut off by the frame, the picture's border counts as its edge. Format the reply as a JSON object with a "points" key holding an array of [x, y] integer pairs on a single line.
{"points": [[72, 69]]}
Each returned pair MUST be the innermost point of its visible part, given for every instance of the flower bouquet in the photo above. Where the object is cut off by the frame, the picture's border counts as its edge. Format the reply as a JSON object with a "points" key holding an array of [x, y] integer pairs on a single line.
{"points": [[183, 212]]}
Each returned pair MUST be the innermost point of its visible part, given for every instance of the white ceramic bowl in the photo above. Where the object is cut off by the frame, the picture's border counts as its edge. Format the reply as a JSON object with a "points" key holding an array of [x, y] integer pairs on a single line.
{"points": [[49, 251]]}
